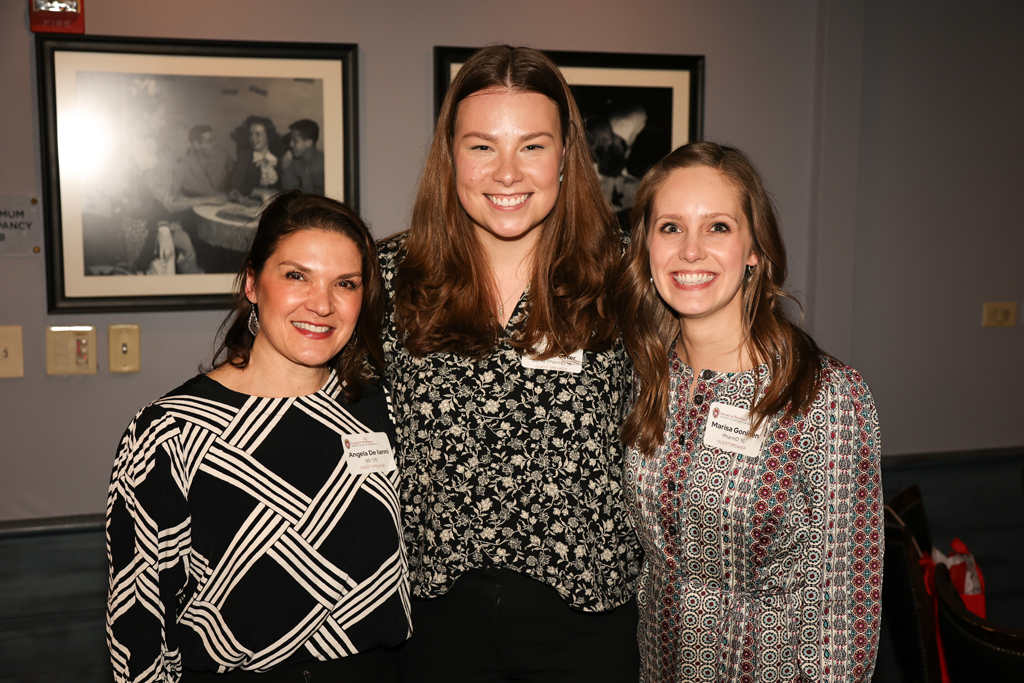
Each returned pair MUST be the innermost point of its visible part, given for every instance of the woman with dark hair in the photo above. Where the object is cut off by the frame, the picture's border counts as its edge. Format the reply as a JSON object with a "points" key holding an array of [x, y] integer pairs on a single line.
{"points": [[258, 169], [252, 519], [753, 472], [509, 388]]}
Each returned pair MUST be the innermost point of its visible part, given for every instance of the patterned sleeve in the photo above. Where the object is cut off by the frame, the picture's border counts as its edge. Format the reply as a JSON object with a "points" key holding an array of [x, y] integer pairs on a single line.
{"points": [[148, 542], [849, 524]]}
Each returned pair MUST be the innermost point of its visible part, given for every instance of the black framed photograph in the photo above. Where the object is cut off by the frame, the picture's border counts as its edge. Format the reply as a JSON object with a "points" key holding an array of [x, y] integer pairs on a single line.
{"points": [[158, 156], [637, 108]]}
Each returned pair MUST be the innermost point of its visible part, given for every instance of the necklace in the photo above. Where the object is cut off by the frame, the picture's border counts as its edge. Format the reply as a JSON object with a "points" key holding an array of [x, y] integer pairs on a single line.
{"points": [[517, 291], [501, 306]]}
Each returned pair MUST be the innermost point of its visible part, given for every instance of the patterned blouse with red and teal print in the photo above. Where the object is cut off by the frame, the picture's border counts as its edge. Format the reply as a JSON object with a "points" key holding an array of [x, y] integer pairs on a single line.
{"points": [[761, 563]]}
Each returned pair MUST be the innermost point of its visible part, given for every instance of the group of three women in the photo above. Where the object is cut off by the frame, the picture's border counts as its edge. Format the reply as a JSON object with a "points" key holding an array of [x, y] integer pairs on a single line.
{"points": [[263, 518]]}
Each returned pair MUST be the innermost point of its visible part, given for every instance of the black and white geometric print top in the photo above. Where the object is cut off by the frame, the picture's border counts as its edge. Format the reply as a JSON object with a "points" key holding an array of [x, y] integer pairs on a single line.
{"points": [[510, 466], [239, 537]]}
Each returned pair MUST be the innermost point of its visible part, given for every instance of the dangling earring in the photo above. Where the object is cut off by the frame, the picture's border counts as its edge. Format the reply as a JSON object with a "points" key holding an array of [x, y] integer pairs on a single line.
{"points": [[254, 322], [750, 273], [559, 175]]}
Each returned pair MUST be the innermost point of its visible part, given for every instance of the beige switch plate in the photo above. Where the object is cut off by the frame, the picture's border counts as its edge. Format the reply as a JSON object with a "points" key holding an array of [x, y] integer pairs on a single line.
{"points": [[999, 314], [12, 356], [71, 350], [124, 350]]}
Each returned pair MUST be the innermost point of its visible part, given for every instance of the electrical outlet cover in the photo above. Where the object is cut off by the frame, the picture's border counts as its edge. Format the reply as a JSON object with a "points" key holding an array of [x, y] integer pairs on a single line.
{"points": [[999, 314]]}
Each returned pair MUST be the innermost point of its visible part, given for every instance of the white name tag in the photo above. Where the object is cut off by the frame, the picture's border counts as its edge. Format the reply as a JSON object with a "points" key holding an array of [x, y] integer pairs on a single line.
{"points": [[727, 429], [571, 363], [368, 453]]}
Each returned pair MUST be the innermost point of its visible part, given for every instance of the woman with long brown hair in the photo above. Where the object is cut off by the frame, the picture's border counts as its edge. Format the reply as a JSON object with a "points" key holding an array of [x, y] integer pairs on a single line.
{"points": [[509, 389], [753, 472]]}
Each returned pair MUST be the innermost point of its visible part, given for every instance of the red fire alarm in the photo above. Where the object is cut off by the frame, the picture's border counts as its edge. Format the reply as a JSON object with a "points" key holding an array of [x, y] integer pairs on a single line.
{"points": [[56, 16]]}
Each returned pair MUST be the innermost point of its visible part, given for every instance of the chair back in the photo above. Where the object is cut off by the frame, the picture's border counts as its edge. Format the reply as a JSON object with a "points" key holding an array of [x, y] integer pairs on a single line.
{"points": [[976, 649], [909, 505], [907, 610]]}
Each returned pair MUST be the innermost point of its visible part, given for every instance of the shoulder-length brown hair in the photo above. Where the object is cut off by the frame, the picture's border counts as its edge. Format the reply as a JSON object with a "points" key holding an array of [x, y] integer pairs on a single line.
{"points": [[289, 213], [444, 293], [650, 326]]}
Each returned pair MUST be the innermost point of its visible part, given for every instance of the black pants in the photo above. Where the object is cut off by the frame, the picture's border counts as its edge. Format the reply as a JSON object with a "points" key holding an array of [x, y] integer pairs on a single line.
{"points": [[498, 625], [375, 666]]}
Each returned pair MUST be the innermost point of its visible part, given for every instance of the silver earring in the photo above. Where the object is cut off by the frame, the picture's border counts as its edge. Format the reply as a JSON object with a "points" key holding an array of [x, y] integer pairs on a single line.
{"points": [[254, 322], [652, 279], [750, 273]]}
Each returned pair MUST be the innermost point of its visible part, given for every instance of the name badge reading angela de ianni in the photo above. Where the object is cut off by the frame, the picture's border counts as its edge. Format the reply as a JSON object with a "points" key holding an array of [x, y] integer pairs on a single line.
{"points": [[727, 428], [570, 363], [368, 453]]}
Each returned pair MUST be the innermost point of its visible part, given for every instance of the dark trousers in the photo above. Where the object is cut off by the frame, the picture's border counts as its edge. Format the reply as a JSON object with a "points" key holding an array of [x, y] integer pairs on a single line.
{"points": [[498, 625], [375, 666]]}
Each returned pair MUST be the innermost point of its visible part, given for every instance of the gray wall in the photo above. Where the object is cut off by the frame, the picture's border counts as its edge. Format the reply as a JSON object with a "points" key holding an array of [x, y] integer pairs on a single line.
{"points": [[849, 108], [939, 222]]}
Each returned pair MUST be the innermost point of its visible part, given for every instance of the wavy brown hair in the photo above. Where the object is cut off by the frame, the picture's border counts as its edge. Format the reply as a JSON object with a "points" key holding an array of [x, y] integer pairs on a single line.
{"points": [[289, 213], [444, 292], [650, 326]]}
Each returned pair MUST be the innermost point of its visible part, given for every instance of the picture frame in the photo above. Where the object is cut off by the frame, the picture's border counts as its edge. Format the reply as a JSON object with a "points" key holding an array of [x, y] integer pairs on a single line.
{"points": [[155, 167], [637, 108]]}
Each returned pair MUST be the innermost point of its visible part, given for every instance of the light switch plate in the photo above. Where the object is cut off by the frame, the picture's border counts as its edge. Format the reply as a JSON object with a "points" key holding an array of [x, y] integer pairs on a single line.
{"points": [[12, 356], [71, 350], [124, 350]]}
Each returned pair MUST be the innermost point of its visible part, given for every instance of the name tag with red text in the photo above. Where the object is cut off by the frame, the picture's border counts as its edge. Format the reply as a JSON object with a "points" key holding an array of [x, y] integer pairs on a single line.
{"points": [[368, 453], [727, 428]]}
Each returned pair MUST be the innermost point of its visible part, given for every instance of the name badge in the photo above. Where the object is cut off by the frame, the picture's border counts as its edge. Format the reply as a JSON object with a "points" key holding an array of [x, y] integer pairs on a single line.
{"points": [[571, 363], [727, 428], [368, 453]]}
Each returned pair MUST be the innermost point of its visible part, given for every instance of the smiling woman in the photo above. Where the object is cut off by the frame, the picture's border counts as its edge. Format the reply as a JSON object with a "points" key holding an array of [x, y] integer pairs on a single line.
{"points": [[509, 386], [753, 473], [508, 158], [312, 264], [701, 245], [306, 301], [249, 530]]}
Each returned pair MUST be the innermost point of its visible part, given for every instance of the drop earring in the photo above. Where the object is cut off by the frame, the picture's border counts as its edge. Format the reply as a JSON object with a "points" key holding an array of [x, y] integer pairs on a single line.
{"points": [[254, 322], [750, 273]]}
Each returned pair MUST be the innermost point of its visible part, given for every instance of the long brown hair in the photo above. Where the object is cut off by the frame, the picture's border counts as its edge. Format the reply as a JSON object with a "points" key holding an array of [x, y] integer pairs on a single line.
{"points": [[443, 290], [289, 213], [650, 326]]}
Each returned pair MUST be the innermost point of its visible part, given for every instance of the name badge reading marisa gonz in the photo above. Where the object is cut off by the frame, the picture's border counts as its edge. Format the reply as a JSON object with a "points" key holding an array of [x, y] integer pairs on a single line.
{"points": [[570, 363], [727, 429], [368, 453]]}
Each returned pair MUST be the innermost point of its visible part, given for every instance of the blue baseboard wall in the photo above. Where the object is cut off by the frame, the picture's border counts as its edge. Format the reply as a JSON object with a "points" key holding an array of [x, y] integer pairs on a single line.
{"points": [[53, 592]]}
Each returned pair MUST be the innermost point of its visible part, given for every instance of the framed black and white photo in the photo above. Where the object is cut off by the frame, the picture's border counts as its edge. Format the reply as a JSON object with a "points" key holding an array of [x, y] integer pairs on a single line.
{"points": [[637, 108], [159, 154]]}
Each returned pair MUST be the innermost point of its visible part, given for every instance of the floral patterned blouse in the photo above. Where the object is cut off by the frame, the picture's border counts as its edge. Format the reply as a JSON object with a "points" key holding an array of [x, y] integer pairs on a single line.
{"points": [[506, 466], [766, 566]]}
